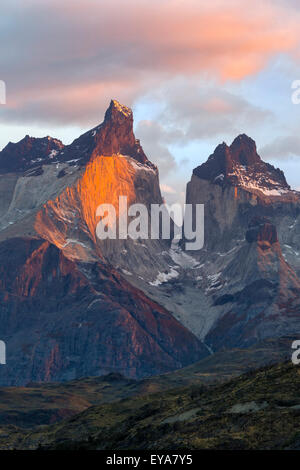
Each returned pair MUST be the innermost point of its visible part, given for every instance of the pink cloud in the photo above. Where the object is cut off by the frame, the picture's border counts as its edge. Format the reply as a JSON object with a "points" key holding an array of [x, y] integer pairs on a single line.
{"points": [[65, 59]]}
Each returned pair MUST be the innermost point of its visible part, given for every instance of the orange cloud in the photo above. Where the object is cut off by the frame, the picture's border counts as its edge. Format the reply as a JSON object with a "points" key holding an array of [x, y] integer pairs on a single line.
{"points": [[69, 57]]}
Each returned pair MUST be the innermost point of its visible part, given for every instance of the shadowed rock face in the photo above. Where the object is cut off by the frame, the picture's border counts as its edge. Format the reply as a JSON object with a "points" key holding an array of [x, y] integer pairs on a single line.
{"points": [[262, 232], [29, 153], [240, 165], [62, 320], [250, 265], [261, 294]]}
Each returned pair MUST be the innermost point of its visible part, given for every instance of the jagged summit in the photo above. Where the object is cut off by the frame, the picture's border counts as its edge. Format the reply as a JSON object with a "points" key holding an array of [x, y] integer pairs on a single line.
{"points": [[240, 165], [115, 109], [114, 136], [29, 152], [243, 151]]}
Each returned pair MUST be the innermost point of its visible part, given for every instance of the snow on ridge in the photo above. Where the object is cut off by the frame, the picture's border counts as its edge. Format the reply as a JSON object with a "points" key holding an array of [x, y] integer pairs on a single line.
{"points": [[137, 165], [262, 182], [53, 153]]}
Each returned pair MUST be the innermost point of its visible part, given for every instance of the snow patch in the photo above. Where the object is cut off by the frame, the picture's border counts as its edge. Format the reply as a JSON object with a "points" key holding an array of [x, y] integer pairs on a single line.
{"points": [[128, 273], [165, 277], [137, 165]]}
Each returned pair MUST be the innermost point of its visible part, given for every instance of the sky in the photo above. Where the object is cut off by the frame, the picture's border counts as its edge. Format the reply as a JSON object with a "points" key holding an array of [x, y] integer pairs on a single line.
{"points": [[195, 74]]}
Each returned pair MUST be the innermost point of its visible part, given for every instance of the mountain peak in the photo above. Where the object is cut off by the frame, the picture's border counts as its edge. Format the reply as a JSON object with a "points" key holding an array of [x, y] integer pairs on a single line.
{"points": [[28, 152], [240, 165], [243, 139], [243, 150], [116, 108], [114, 136]]}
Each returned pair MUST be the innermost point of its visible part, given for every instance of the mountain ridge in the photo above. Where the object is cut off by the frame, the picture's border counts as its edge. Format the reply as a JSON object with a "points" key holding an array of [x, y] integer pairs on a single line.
{"points": [[240, 165], [241, 288]]}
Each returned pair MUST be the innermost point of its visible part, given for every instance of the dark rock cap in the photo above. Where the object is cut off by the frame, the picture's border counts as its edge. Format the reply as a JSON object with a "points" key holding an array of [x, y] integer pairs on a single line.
{"points": [[240, 165]]}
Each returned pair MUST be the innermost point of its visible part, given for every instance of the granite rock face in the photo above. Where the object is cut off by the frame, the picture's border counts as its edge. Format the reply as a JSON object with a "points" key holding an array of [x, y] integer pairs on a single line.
{"points": [[250, 261], [261, 231], [63, 319], [73, 305], [29, 153], [240, 165], [66, 309]]}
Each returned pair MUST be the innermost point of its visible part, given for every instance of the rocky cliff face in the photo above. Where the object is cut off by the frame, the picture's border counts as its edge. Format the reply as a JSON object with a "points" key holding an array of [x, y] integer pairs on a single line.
{"points": [[58, 200], [260, 292], [73, 305], [241, 166], [236, 185], [250, 262], [65, 308], [29, 153], [63, 319]]}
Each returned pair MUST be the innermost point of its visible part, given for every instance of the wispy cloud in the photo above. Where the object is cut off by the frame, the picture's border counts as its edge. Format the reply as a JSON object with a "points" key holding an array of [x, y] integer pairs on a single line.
{"points": [[63, 60], [282, 148]]}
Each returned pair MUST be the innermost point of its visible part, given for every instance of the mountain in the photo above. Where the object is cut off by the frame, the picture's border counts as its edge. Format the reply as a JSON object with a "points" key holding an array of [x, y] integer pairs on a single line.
{"points": [[74, 305], [236, 186], [243, 286], [30, 153], [240, 165], [66, 309], [57, 201], [250, 263]]}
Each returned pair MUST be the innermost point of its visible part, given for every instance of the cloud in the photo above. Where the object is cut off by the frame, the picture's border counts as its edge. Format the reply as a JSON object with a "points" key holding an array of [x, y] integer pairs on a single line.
{"points": [[155, 139], [194, 112], [190, 112], [282, 148], [174, 194], [167, 189], [63, 60]]}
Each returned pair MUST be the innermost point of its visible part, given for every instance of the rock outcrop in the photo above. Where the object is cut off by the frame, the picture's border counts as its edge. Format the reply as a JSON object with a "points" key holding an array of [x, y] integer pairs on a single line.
{"points": [[29, 153]]}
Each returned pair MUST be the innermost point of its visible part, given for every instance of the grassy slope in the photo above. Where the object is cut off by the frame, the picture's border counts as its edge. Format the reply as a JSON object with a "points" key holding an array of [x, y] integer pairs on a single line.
{"points": [[194, 417], [153, 413], [40, 404]]}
